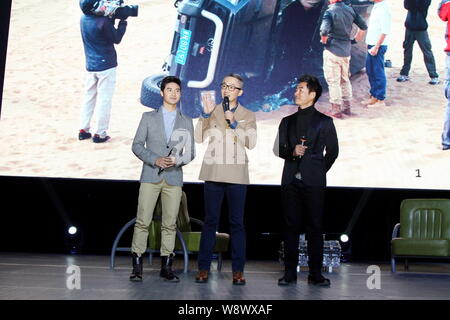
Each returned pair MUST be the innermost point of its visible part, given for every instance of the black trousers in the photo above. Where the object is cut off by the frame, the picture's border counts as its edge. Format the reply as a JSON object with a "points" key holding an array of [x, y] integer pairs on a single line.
{"points": [[425, 45], [303, 210]]}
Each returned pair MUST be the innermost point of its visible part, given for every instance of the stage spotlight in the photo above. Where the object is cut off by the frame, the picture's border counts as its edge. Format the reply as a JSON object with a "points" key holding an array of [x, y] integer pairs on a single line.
{"points": [[344, 238], [74, 240]]}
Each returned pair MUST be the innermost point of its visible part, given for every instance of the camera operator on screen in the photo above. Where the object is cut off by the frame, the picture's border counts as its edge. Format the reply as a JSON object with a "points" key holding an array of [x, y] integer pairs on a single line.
{"points": [[99, 36]]}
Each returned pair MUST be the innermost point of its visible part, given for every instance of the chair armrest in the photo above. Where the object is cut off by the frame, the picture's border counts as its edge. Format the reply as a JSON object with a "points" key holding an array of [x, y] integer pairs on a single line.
{"points": [[117, 239], [396, 230], [199, 222]]}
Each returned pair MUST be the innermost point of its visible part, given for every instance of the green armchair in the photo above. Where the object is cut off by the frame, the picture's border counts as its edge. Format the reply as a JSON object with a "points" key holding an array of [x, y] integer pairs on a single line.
{"points": [[188, 241], [423, 231]]}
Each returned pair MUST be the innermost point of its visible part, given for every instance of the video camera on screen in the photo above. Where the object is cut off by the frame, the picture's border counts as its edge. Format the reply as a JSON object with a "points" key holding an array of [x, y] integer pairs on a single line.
{"points": [[115, 9]]}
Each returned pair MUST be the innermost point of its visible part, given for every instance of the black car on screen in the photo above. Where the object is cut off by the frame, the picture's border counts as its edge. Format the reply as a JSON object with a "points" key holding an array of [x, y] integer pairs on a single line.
{"points": [[268, 42]]}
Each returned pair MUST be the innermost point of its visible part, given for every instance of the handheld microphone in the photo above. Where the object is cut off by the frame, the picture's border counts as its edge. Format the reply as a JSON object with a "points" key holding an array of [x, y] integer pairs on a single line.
{"points": [[162, 169], [226, 106]]}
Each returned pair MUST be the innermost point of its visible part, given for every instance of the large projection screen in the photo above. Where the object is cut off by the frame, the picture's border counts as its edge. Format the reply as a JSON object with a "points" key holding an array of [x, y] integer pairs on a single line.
{"points": [[397, 146]]}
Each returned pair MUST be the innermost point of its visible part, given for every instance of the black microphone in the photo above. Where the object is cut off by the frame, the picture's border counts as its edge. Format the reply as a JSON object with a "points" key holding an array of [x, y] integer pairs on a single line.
{"points": [[226, 106], [162, 169]]}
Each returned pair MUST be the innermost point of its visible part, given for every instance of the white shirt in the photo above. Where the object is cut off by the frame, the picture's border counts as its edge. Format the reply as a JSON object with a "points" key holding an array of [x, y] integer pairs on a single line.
{"points": [[379, 23]]}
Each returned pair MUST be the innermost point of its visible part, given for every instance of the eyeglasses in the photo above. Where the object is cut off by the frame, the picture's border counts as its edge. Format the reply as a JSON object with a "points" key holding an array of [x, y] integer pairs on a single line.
{"points": [[229, 87]]}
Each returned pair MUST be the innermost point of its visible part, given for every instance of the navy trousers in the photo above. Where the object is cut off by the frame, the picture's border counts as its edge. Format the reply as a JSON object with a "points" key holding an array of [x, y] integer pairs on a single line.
{"points": [[376, 74], [446, 131], [214, 194]]}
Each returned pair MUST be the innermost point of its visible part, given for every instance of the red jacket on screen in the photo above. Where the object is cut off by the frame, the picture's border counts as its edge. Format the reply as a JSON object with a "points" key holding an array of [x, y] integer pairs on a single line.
{"points": [[444, 14]]}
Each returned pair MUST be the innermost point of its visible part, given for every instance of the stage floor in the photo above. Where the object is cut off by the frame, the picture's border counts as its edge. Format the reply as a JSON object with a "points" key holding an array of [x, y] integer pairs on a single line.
{"points": [[44, 277]]}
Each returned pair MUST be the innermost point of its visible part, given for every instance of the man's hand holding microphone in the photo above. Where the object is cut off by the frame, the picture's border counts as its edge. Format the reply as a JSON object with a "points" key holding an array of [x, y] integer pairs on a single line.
{"points": [[300, 149], [165, 162]]}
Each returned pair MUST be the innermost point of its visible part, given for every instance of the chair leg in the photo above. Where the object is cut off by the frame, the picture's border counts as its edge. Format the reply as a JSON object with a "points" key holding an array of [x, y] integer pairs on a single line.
{"points": [[219, 262], [113, 259], [116, 241], [393, 264], [186, 263]]}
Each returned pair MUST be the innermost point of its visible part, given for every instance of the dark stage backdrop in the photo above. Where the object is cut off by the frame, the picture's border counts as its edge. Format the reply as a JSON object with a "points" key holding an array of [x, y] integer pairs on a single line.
{"points": [[36, 213]]}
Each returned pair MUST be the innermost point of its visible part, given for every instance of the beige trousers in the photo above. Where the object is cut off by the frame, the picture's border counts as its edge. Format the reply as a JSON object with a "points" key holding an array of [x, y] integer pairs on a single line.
{"points": [[170, 202], [336, 71]]}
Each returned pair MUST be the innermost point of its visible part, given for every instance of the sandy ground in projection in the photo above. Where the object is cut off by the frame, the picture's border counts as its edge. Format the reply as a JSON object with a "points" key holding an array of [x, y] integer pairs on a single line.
{"points": [[380, 147]]}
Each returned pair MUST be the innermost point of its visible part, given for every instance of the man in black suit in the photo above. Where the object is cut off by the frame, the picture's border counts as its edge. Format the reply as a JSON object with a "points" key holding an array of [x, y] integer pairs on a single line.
{"points": [[304, 178]]}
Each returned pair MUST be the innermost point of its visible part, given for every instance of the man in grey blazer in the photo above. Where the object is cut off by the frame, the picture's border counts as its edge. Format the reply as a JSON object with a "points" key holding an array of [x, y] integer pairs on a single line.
{"points": [[164, 142]]}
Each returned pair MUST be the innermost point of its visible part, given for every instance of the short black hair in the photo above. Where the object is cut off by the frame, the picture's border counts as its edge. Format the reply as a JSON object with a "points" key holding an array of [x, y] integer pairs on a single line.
{"points": [[313, 85], [170, 79], [236, 76]]}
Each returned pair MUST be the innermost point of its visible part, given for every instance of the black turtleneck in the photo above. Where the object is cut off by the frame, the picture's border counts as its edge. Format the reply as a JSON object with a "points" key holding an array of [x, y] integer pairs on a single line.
{"points": [[303, 118]]}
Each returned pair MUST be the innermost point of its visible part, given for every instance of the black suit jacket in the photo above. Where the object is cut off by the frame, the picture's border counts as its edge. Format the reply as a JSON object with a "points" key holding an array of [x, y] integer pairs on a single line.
{"points": [[313, 166]]}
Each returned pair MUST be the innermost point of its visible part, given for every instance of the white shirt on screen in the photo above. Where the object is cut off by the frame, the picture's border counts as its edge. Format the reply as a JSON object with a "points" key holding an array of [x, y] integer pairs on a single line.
{"points": [[379, 23]]}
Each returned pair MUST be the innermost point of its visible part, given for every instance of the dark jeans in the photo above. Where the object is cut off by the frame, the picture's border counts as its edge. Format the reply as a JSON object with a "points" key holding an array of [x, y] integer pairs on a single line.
{"points": [[446, 131], [375, 73], [303, 209], [214, 193], [425, 45]]}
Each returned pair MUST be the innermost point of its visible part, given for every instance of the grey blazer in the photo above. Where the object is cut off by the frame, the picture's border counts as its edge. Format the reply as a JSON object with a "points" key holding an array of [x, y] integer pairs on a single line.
{"points": [[150, 143]]}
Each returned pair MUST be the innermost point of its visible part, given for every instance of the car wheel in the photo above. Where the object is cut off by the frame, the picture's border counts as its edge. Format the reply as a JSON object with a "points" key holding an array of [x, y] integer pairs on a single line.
{"points": [[150, 91]]}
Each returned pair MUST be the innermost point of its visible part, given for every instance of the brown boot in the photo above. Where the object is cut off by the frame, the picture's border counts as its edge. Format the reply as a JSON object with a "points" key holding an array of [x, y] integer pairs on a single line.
{"points": [[238, 278], [377, 103], [336, 111], [346, 109], [369, 101]]}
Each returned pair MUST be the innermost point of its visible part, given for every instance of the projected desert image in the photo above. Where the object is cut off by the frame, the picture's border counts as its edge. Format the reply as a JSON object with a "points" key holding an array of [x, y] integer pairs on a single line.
{"points": [[397, 146]]}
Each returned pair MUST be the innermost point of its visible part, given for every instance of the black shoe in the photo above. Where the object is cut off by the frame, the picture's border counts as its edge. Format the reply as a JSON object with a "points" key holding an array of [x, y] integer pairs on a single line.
{"points": [[445, 147], [434, 81], [402, 78], [83, 135], [166, 269], [320, 281], [287, 280], [97, 139], [136, 274]]}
